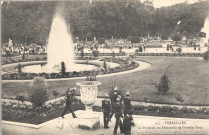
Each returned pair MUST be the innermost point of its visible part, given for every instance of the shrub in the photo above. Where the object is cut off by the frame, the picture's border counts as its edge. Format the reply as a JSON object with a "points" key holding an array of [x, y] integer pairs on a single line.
{"points": [[101, 40], [113, 55], [120, 49], [82, 54], [202, 34], [206, 56], [134, 39], [176, 37], [38, 95], [20, 97], [95, 53], [63, 69], [19, 68], [164, 37], [164, 85], [105, 65], [179, 98], [55, 93]]}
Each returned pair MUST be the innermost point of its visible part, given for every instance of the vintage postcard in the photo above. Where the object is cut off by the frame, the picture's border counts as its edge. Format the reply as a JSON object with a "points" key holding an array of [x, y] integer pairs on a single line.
{"points": [[105, 67]]}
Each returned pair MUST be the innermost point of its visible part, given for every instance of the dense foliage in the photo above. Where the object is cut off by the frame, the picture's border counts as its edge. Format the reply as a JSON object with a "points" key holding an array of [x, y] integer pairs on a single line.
{"points": [[38, 95], [27, 22], [26, 113], [164, 85]]}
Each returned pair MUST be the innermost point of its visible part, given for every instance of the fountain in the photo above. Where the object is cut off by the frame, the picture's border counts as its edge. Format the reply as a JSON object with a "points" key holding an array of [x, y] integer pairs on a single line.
{"points": [[206, 30], [60, 46]]}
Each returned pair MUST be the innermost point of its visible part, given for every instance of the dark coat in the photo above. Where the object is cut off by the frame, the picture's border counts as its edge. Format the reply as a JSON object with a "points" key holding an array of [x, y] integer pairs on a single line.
{"points": [[127, 103], [69, 100], [114, 98], [106, 106], [118, 110]]}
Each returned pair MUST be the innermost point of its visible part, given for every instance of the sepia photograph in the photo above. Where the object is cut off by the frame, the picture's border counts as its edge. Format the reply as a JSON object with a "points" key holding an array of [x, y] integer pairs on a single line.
{"points": [[105, 67]]}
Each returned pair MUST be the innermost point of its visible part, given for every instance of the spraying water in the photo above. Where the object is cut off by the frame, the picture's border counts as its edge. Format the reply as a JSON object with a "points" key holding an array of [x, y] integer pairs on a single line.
{"points": [[60, 46], [206, 30]]}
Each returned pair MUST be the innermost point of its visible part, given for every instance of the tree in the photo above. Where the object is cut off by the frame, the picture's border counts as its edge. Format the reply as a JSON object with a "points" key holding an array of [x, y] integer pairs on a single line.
{"points": [[38, 95], [176, 37], [63, 69], [164, 85]]}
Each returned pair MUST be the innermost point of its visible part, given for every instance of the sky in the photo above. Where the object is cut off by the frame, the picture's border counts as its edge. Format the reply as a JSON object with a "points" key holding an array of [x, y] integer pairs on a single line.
{"points": [[160, 3]]}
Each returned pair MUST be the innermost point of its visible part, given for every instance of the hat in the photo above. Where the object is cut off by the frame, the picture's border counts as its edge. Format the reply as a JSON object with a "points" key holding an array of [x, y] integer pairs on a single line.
{"points": [[118, 98], [106, 95], [116, 88], [127, 93], [71, 89]]}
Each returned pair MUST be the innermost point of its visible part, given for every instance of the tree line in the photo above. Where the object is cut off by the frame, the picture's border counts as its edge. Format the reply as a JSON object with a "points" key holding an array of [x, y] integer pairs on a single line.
{"points": [[107, 19]]}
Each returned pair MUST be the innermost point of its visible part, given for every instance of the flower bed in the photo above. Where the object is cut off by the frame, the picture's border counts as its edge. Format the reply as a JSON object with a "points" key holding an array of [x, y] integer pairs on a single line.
{"points": [[102, 54], [35, 115], [168, 111], [124, 66], [17, 60], [10, 61], [171, 54]]}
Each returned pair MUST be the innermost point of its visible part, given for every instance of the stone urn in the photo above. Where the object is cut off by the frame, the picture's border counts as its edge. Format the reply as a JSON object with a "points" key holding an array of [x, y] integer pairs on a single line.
{"points": [[88, 91]]}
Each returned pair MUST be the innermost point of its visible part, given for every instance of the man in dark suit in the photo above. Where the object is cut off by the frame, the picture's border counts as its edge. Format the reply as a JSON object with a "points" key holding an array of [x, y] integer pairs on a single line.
{"points": [[106, 110], [118, 116], [127, 103], [69, 100], [127, 123], [113, 101]]}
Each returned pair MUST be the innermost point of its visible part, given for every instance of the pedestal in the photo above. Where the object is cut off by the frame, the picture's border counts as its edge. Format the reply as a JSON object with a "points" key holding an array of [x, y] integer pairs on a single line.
{"points": [[89, 120]]}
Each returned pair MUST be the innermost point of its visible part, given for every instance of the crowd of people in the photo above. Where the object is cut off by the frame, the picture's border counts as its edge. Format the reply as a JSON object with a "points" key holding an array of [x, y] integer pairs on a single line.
{"points": [[21, 49], [119, 107], [111, 105]]}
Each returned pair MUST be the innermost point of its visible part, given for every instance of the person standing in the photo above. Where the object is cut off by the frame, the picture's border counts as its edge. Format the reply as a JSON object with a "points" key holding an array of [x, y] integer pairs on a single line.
{"points": [[127, 123], [113, 101], [69, 100], [118, 116], [106, 110], [127, 103]]}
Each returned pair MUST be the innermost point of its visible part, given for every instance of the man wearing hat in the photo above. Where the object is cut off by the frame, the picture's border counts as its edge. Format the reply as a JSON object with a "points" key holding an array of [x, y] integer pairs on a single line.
{"points": [[118, 116], [113, 100], [106, 110], [69, 100], [127, 103]]}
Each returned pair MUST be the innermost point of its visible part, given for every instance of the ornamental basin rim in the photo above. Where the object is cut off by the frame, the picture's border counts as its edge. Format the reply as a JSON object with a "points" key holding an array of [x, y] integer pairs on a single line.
{"points": [[88, 83]]}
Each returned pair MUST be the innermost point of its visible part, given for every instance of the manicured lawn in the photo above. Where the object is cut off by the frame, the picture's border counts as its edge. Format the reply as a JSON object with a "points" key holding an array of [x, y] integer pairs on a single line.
{"points": [[189, 76]]}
